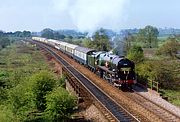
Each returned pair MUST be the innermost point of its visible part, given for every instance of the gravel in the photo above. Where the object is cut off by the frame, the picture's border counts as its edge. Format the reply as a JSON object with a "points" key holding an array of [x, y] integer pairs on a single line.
{"points": [[154, 96]]}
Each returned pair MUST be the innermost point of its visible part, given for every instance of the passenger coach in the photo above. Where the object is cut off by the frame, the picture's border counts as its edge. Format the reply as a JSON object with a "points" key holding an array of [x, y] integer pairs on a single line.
{"points": [[81, 54]]}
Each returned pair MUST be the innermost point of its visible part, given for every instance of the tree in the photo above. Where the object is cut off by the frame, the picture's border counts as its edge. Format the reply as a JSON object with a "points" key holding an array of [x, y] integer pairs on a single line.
{"points": [[87, 42], [101, 41], [148, 36], [61, 36], [26, 34], [18, 34], [4, 42], [77, 42], [60, 105], [70, 37], [1, 33], [57, 35], [170, 48], [47, 33], [136, 54], [129, 38]]}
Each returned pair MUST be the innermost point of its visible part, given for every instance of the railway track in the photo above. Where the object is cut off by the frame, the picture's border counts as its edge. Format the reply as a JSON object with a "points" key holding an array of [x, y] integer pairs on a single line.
{"points": [[116, 110], [163, 113], [141, 105]]}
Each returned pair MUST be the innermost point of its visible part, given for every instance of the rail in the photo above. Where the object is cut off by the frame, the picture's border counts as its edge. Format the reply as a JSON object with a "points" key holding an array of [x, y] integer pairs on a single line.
{"points": [[116, 110]]}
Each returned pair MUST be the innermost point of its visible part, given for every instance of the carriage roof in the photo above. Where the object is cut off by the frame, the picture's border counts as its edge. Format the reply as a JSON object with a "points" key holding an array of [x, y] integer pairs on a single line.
{"points": [[84, 49]]}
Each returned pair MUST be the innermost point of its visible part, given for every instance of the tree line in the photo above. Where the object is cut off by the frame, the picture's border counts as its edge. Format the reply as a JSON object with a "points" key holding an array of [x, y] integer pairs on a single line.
{"points": [[7, 37], [61, 34], [146, 37], [15, 34]]}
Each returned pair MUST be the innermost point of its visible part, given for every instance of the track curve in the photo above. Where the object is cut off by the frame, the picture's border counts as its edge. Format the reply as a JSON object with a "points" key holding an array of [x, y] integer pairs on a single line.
{"points": [[120, 113]]}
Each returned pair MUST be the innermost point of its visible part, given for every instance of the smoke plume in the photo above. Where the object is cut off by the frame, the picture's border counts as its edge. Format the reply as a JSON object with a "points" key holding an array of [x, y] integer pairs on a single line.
{"points": [[90, 15]]}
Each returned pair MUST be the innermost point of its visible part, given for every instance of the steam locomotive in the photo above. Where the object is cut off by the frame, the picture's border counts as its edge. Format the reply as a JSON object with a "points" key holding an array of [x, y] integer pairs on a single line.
{"points": [[119, 71]]}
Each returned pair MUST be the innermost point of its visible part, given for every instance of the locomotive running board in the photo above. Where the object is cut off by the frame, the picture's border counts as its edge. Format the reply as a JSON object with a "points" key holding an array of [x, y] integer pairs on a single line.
{"points": [[106, 69]]}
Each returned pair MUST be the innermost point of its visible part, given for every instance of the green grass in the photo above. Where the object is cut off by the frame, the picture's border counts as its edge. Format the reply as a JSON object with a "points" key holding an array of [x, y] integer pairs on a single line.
{"points": [[20, 56], [20, 61], [160, 43], [163, 37], [173, 96]]}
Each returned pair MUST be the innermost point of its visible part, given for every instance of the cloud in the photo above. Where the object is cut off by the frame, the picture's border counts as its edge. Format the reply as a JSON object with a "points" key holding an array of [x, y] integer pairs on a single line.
{"points": [[89, 15]]}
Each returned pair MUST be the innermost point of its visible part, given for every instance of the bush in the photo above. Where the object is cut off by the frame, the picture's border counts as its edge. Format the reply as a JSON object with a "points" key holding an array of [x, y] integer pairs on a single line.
{"points": [[21, 100], [4, 42], [43, 83], [27, 99], [136, 54], [160, 71], [60, 105], [6, 115], [143, 73], [170, 48], [61, 81], [3, 85]]}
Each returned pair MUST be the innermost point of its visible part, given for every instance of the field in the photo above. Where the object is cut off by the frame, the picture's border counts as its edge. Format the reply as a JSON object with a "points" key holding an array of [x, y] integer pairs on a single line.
{"points": [[163, 37], [21, 60], [28, 85]]}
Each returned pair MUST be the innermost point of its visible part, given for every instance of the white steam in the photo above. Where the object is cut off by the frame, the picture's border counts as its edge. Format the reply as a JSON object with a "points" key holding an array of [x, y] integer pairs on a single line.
{"points": [[89, 15]]}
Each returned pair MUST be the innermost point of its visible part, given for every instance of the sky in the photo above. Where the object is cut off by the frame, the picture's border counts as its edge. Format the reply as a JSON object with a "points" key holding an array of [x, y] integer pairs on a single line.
{"points": [[87, 15]]}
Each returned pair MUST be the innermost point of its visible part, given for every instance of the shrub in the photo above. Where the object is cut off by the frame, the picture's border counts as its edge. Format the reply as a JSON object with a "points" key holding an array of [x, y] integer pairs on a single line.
{"points": [[4, 42], [6, 115], [136, 54], [160, 71], [21, 100], [60, 105], [170, 48], [43, 83]]}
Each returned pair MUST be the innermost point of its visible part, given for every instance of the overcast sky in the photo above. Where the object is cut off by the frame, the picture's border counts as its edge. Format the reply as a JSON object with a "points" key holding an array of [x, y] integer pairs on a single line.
{"points": [[87, 15]]}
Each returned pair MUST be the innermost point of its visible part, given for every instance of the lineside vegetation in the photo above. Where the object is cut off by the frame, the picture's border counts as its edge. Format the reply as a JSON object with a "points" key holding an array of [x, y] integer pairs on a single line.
{"points": [[29, 91]]}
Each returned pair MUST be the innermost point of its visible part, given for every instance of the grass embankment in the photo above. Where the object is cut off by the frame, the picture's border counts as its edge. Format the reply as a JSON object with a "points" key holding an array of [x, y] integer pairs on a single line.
{"points": [[29, 90]]}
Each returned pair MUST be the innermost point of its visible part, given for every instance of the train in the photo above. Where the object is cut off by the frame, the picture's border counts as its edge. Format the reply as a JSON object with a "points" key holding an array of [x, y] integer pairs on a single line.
{"points": [[117, 70]]}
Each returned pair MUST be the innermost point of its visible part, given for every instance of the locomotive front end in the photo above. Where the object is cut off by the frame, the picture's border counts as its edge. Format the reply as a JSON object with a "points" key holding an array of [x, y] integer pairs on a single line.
{"points": [[126, 73]]}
